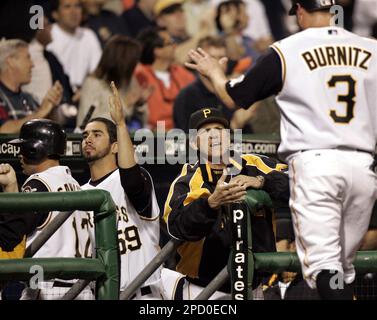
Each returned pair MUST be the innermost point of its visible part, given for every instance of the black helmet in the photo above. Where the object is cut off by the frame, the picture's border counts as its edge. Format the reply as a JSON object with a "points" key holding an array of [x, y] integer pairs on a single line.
{"points": [[311, 5], [41, 138]]}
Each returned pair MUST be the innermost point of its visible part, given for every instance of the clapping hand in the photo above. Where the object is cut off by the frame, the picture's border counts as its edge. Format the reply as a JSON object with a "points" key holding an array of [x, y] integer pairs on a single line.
{"points": [[226, 193], [249, 182]]}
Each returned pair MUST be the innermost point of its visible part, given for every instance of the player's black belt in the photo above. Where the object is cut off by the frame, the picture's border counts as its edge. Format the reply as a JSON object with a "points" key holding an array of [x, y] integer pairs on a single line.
{"points": [[144, 291], [62, 284]]}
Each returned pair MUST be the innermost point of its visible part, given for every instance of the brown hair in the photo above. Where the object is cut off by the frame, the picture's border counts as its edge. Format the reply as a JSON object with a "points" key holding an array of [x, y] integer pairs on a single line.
{"points": [[119, 59], [212, 41]]}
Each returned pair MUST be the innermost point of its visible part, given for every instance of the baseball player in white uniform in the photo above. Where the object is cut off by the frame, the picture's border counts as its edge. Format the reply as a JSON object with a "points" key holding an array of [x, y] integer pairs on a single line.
{"points": [[42, 142], [109, 152], [325, 80]]}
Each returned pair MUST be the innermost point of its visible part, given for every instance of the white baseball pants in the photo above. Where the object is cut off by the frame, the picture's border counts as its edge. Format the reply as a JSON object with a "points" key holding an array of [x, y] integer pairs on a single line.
{"points": [[332, 196]]}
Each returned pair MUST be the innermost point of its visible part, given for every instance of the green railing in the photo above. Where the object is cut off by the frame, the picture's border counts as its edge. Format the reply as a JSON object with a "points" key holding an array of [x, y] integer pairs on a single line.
{"points": [[104, 268], [365, 262]]}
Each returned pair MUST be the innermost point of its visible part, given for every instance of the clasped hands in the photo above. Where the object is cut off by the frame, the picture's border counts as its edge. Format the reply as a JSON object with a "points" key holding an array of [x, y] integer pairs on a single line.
{"points": [[234, 191]]}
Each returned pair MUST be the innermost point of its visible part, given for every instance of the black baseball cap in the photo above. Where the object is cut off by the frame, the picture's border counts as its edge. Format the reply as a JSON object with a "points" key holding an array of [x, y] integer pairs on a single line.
{"points": [[207, 115]]}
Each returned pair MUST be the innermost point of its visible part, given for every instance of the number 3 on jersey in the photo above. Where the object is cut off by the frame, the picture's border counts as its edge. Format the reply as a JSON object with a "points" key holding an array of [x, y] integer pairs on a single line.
{"points": [[129, 239], [348, 99]]}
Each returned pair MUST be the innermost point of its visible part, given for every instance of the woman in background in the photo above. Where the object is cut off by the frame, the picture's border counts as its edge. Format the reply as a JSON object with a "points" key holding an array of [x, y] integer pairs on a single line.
{"points": [[119, 59]]}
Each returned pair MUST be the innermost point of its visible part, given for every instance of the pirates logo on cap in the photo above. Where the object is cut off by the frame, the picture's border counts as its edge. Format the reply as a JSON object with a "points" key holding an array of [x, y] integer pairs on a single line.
{"points": [[206, 113]]}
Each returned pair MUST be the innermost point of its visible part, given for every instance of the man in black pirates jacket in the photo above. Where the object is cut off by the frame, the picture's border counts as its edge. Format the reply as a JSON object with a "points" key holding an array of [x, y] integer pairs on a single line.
{"points": [[195, 210]]}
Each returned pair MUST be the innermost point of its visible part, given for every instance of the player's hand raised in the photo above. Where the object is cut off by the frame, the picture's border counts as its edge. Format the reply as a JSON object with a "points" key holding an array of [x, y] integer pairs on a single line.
{"points": [[115, 105], [202, 62]]}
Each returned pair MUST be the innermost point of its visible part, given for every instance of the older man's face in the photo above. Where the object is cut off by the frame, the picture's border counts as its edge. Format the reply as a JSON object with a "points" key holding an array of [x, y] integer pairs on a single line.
{"points": [[214, 142]]}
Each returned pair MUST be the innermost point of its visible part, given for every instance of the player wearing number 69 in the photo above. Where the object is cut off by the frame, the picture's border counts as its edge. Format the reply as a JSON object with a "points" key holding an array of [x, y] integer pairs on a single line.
{"points": [[108, 149], [325, 80]]}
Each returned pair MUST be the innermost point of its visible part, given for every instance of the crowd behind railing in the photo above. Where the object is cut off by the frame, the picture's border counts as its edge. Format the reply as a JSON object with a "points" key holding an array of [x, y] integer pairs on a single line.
{"points": [[62, 68]]}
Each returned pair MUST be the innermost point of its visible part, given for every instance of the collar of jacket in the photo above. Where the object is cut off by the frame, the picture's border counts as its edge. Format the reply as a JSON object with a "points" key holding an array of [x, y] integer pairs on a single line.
{"points": [[210, 178]]}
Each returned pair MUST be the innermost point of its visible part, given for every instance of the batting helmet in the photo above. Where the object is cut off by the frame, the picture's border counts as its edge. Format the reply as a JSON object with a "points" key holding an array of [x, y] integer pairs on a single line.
{"points": [[311, 5], [41, 138]]}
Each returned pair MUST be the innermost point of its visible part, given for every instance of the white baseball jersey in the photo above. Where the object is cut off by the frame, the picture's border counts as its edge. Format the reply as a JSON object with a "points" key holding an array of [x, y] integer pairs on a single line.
{"points": [[138, 236], [65, 241], [329, 93]]}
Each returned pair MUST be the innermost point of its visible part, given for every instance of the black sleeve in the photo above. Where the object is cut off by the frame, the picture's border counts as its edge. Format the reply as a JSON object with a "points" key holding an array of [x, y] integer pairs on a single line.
{"points": [[260, 82], [277, 186], [193, 221], [276, 182], [13, 227], [137, 184], [35, 219]]}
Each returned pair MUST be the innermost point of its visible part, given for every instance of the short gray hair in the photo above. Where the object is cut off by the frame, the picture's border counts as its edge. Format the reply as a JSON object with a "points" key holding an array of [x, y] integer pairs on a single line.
{"points": [[8, 48]]}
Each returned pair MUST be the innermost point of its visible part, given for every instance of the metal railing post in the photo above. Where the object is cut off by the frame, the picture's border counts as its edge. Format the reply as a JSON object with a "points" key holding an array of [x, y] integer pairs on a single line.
{"points": [[152, 266], [214, 285]]}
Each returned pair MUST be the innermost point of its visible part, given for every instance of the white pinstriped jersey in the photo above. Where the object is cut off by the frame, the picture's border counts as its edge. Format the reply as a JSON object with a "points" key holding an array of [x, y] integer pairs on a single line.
{"points": [[65, 241], [138, 236], [329, 95]]}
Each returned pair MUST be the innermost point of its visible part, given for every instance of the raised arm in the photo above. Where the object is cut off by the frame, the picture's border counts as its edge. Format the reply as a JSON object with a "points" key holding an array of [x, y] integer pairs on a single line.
{"points": [[126, 154], [136, 183], [263, 80]]}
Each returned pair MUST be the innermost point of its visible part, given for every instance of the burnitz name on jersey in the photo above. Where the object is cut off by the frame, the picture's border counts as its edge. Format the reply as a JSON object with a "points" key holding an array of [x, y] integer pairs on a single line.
{"points": [[328, 56]]}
